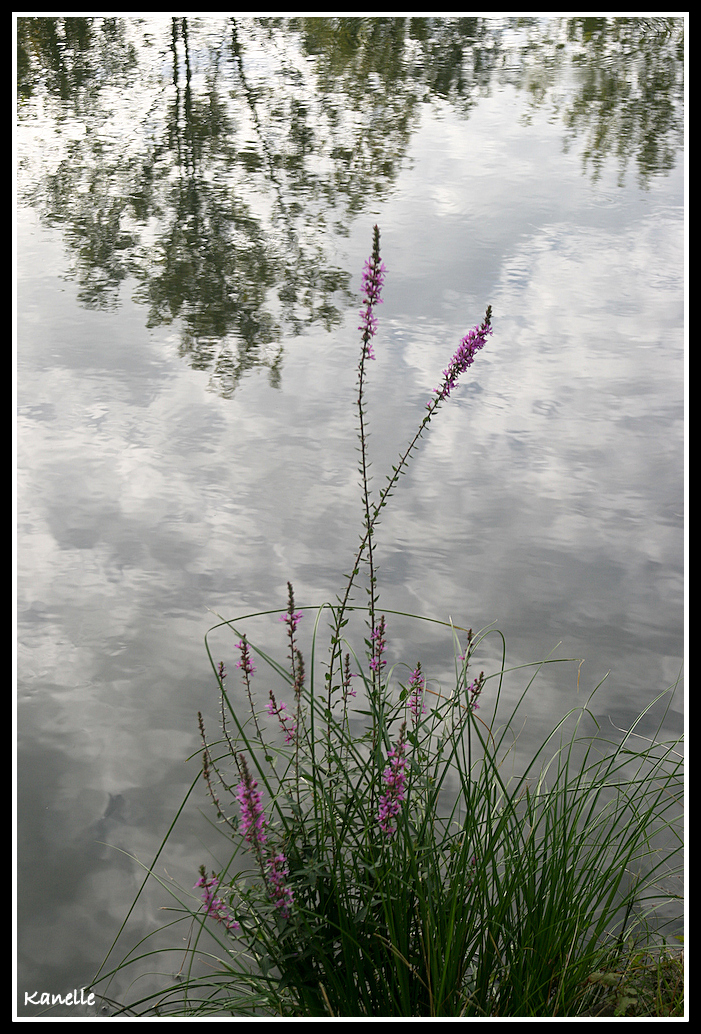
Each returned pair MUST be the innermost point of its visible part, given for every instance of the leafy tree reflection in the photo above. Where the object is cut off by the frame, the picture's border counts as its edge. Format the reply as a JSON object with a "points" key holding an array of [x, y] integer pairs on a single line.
{"points": [[216, 162]]}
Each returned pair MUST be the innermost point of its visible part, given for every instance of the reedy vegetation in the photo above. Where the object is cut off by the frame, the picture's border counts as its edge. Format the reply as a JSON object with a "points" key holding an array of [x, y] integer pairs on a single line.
{"points": [[379, 862]]}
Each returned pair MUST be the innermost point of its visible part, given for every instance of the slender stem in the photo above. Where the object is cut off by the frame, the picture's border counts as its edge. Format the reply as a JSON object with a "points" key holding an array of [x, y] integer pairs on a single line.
{"points": [[364, 465], [373, 278]]}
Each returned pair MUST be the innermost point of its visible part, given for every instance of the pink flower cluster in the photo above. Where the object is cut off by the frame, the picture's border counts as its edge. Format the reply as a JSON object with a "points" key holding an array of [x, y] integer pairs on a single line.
{"points": [[253, 821], [214, 905], [292, 619], [286, 723], [280, 893], [373, 280], [394, 778], [473, 341], [253, 826]]}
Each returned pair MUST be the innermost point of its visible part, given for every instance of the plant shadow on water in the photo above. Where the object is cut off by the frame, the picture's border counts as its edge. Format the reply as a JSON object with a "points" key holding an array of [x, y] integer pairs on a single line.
{"points": [[385, 855]]}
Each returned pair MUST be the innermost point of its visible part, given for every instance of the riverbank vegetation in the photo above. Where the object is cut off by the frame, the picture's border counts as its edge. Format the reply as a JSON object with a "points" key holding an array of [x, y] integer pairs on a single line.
{"points": [[383, 852]]}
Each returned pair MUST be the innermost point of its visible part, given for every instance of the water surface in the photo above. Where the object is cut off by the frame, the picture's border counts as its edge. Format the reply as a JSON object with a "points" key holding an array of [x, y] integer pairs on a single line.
{"points": [[195, 203]]}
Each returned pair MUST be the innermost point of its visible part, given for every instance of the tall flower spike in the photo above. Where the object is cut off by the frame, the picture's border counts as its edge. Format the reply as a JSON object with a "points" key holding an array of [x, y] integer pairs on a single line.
{"points": [[372, 282], [394, 778], [280, 893], [214, 906], [473, 341], [292, 618], [247, 667], [474, 690], [253, 822], [348, 690], [416, 693], [378, 639], [245, 663], [286, 721]]}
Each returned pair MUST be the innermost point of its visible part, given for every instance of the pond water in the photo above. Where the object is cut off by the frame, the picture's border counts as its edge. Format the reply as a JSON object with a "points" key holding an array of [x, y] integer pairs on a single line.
{"points": [[196, 199]]}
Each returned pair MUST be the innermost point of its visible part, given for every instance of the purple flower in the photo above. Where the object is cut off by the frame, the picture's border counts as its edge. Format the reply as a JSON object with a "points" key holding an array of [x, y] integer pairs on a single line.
{"points": [[253, 821], [394, 778], [292, 619], [462, 360], [214, 905], [369, 329], [372, 282], [280, 893], [416, 686], [253, 826], [465, 356], [286, 724], [373, 278]]}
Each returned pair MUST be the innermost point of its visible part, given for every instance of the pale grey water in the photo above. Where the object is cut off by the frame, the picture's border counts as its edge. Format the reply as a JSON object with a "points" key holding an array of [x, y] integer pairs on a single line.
{"points": [[179, 455]]}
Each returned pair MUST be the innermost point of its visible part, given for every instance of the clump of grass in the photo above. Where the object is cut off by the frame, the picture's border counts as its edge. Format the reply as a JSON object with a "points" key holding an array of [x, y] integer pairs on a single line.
{"points": [[378, 859]]}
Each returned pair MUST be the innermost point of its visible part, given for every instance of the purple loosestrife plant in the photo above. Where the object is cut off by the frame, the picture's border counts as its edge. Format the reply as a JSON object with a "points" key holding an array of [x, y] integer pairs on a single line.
{"points": [[247, 668], [292, 618], [253, 821], [292, 728], [474, 690], [286, 723], [348, 690], [254, 826], [245, 663], [372, 282], [463, 359], [208, 765], [394, 779], [280, 893], [387, 886], [474, 340], [338, 798], [214, 906]]}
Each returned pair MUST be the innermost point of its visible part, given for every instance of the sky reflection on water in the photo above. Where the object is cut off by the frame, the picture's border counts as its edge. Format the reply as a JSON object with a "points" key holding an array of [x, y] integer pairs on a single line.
{"points": [[165, 472]]}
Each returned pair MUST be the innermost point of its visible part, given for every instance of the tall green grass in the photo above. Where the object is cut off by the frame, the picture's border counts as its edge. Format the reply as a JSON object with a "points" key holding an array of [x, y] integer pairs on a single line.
{"points": [[385, 850], [498, 895]]}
